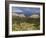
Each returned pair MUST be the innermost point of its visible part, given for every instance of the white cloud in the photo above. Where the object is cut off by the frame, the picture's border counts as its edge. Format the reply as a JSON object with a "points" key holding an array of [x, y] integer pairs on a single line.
{"points": [[17, 10]]}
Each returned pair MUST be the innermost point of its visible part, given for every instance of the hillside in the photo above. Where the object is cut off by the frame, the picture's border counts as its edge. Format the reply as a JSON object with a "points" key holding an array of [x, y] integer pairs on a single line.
{"points": [[25, 24]]}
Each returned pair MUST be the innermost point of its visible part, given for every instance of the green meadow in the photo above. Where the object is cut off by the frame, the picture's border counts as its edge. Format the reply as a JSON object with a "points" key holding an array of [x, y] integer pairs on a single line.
{"points": [[25, 23]]}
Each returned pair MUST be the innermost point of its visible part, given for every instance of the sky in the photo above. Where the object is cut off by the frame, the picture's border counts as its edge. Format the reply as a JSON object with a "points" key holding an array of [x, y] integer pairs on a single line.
{"points": [[25, 10]]}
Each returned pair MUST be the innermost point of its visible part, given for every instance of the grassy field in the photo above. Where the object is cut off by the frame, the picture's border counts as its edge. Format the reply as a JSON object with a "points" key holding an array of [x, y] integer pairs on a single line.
{"points": [[25, 24]]}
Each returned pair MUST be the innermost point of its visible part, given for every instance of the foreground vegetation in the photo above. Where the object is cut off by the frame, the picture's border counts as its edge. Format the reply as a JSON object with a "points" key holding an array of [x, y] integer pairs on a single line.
{"points": [[24, 24]]}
